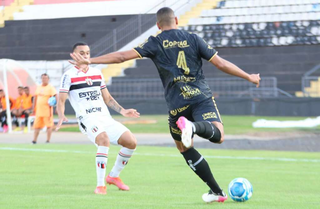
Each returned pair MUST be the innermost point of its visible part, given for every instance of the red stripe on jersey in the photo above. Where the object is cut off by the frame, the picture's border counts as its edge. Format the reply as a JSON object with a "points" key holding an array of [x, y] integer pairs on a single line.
{"points": [[93, 77]]}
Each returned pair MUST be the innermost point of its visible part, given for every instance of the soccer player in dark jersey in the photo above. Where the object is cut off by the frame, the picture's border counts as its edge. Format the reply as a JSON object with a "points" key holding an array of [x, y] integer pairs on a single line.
{"points": [[178, 55]]}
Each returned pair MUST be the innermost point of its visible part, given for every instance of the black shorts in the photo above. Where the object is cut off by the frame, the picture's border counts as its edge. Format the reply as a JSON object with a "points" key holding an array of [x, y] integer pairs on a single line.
{"points": [[205, 110]]}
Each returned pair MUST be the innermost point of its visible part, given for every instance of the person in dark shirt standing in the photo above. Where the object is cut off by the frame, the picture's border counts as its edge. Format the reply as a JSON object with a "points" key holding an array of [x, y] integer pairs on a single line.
{"points": [[178, 55]]}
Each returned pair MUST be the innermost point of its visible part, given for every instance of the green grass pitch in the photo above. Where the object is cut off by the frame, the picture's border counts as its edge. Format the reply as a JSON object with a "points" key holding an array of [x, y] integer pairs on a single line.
{"points": [[232, 124], [64, 176]]}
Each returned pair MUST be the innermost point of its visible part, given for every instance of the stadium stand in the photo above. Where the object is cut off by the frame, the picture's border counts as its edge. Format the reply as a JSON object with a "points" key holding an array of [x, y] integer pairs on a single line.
{"points": [[66, 9], [10, 7], [52, 39], [259, 23], [279, 39], [49, 39]]}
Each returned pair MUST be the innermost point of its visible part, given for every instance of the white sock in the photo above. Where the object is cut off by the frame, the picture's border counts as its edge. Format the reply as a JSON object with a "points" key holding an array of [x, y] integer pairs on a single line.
{"points": [[122, 160], [101, 164]]}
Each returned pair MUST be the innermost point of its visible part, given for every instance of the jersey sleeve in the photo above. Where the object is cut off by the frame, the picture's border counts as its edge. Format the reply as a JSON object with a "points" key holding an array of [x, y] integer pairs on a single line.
{"points": [[146, 49], [65, 83], [206, 51], [103, 83]]}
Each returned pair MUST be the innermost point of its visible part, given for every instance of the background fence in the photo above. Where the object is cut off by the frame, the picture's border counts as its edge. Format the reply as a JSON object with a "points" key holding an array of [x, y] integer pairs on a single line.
{"points": [[151, 88]]}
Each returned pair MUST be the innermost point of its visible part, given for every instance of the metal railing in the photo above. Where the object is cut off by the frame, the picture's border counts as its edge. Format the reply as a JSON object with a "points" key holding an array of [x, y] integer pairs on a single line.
{"points": [[312, 75], [151, 88]]}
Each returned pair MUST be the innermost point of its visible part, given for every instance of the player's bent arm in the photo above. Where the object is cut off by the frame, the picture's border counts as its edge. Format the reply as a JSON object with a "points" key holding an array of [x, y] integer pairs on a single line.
{"points": [[110, 101], [61, 103], [229, 67], [115, 57]]}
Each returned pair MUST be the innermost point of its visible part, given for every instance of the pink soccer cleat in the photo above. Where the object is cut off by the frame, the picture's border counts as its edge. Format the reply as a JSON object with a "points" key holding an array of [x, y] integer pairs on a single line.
{"points": [[212, 197], [117, 182], [186, 131], [101, 190]]}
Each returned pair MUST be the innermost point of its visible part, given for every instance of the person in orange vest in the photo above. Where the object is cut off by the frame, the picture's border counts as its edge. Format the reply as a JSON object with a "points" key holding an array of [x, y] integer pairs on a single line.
{"points": [[3, 110], [44, 113], [16, 112], [23, 106]]}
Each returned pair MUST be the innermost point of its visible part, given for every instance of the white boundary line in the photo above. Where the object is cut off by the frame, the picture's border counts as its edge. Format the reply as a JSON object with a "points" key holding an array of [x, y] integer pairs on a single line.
{"points": [[167, 155]]}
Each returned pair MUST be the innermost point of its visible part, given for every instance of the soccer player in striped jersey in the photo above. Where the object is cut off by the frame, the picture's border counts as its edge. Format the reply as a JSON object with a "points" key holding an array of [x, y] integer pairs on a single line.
{"points": [[90, 99]]}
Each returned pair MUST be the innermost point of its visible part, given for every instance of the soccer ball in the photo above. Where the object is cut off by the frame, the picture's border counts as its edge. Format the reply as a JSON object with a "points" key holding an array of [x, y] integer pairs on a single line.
{"points": [[52, 101], [240, 189]]}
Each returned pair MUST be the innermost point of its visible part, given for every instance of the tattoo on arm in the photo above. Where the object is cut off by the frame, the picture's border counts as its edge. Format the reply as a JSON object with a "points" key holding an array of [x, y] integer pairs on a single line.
{"points": [[113, 104]]}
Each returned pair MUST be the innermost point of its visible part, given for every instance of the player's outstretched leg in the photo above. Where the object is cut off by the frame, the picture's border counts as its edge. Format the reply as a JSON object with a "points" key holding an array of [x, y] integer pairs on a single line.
{"points": [[129, 143], [204, 129], [102, 141], [200, 166]]}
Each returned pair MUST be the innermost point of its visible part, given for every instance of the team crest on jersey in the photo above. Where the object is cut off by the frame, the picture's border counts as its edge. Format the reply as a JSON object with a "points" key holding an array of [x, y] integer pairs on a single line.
{"points": [[94, 129], [89, 81]]}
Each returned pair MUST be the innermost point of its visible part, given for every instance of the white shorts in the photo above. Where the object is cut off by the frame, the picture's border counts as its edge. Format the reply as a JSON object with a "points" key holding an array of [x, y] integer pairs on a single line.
{"points": [[93, 126]]}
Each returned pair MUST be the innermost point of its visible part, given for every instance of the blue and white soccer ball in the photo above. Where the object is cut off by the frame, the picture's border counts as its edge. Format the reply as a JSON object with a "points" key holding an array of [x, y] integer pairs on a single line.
{"points": [[240, 189], [52, 101]]}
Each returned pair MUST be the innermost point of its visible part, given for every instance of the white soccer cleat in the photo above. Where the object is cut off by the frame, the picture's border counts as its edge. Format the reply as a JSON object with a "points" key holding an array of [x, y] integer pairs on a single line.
{"points": [[186, 131], [212, 197]]}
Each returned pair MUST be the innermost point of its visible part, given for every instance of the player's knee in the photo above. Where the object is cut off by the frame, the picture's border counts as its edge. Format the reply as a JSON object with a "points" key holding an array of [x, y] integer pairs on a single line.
{"points": [[102, 140], [132, 144], [217, 136], [128, 140]]}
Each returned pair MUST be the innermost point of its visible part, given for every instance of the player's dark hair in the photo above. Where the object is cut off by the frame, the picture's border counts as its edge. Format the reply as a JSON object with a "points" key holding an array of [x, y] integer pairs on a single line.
{"points": [[20, 87], [45, 74], [26, 87], [1, 90], [79, 44], [165, 16]]}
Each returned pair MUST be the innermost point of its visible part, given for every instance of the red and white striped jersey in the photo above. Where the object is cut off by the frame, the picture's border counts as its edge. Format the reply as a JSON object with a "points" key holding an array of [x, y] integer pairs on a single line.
{"points": [[84, 90]]}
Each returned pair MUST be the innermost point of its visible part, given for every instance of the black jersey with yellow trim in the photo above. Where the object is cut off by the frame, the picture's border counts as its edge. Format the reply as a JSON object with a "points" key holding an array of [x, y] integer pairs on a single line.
{"points": [[178, 55]]}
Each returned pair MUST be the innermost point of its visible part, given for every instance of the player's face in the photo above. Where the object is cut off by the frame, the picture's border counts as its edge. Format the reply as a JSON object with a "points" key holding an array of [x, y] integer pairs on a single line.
{"points": [[83, 51], [20, 91], [1, 94], [45, 80]]}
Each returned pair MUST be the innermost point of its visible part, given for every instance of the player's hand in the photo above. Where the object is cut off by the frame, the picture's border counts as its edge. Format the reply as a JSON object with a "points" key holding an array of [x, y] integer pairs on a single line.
{"points": [[79, 61], [255, 78], [130, 113], [61, 120]]}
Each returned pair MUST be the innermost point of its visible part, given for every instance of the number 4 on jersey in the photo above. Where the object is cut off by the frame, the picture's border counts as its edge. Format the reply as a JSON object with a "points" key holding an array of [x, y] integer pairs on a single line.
{"points": [[182, 62]]}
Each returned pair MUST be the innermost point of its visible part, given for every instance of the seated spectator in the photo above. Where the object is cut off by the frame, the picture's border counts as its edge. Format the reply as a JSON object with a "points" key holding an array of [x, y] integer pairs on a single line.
{"points": [[3, 110], [23, 106], [16, 112]]}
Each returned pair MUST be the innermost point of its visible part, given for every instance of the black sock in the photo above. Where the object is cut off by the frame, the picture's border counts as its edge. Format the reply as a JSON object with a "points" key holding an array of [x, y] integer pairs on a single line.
{"points": [[207, 130], [26, 116], [200, 166]]}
